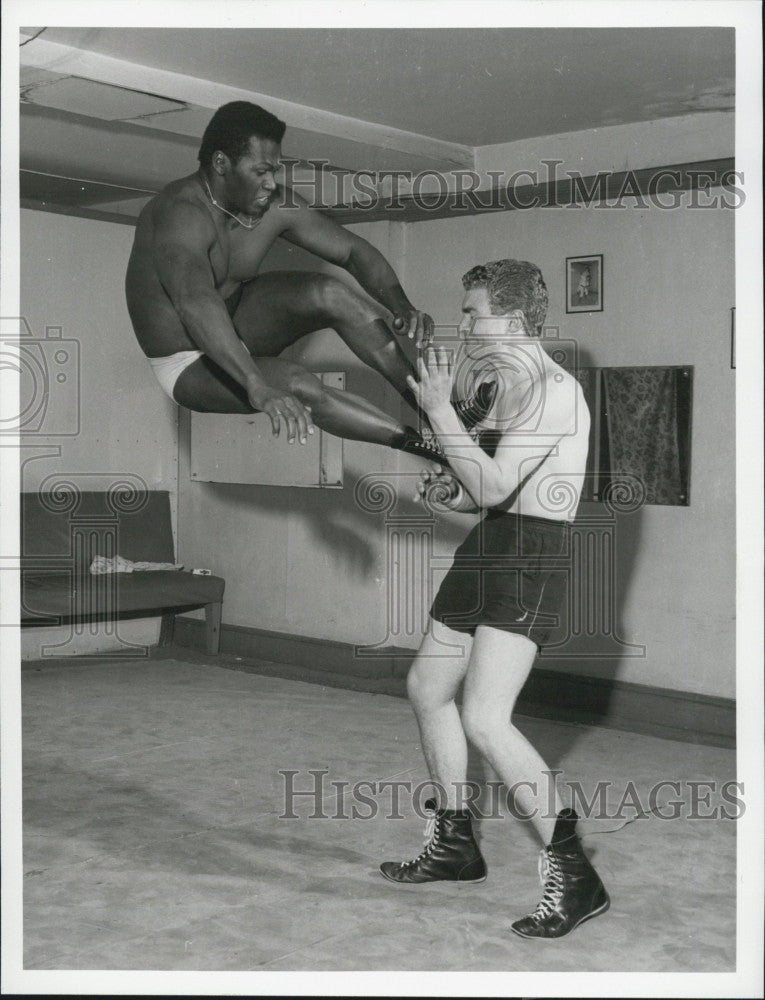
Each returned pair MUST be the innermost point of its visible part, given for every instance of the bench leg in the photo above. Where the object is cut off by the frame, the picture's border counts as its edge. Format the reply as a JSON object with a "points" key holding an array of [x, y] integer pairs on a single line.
{"points": [[212, 626], [167, 630]]}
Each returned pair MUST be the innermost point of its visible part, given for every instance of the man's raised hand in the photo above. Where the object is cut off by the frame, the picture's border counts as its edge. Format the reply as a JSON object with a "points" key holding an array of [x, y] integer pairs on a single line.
{"points": [[438, 486], [436, 376]]}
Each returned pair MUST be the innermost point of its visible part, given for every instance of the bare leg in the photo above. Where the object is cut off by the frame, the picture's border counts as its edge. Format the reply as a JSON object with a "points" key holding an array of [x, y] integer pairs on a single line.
{"points": [[279, 307], [432, 685], [452, 852], [499, 665], [206, 388]]}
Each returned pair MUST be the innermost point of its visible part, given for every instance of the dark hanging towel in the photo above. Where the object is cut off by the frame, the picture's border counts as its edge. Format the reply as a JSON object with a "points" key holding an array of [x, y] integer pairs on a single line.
{"points": [[647, 410]]}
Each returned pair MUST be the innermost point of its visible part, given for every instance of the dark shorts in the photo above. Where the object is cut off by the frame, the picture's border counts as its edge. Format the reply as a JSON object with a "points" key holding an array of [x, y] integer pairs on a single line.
{"points": [[511, 573]]}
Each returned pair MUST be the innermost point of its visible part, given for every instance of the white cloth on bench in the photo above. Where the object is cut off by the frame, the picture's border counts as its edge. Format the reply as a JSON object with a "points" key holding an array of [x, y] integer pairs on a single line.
{"points": [[116, 564]]}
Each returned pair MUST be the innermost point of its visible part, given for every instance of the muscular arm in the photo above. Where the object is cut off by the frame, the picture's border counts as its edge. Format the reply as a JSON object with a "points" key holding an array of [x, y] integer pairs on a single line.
{"points": [[490, 481], [440, 490], [324, 237], [182, 241], [375, 275]]}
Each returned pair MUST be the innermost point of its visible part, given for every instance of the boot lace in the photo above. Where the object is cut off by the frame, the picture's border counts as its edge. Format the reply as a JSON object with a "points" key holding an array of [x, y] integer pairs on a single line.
{"points": [[428, 435], [432, 835], [551, 877]]}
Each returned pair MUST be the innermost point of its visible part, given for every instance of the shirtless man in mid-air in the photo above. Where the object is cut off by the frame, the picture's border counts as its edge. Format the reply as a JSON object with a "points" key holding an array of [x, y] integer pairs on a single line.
{"points": [[213, 329]]}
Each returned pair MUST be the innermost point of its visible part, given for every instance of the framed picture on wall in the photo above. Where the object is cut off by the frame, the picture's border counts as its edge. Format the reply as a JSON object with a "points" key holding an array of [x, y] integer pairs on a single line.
{"points": [[584, 284]]}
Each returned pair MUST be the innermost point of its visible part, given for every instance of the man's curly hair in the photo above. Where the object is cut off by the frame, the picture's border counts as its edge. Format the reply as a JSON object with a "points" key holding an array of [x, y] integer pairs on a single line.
{"points": [[231, 128], [512, 284]]}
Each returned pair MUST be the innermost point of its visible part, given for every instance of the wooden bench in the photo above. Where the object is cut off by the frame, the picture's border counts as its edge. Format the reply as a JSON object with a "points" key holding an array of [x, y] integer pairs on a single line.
{"points": [[62, 532]]}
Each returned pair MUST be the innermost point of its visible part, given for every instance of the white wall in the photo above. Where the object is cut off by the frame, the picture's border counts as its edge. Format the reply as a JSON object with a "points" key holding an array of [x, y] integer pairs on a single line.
{"points": [[72, 276], [312, 562], [305, 561], [669, 287]]}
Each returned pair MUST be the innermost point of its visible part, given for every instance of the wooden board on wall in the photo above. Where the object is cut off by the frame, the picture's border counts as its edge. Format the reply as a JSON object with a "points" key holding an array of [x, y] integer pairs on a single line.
{"points": [[241, 448]]}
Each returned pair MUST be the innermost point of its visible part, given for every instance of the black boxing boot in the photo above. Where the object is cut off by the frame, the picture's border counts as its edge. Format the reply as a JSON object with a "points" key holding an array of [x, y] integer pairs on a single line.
{"points": [[472, 411], [412, 443], [573, 891], [451, 853]]}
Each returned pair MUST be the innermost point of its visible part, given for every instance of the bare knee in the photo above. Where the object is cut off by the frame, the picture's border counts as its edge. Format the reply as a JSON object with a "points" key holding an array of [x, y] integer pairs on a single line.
{"points": [[483, 724], [424, 695], [416, 688], [387, 352], [305, 387], [334, 300]]}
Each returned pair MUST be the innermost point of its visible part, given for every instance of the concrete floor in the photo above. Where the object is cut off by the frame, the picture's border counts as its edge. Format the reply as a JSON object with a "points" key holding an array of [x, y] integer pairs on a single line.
{"points": [[153, 837]]}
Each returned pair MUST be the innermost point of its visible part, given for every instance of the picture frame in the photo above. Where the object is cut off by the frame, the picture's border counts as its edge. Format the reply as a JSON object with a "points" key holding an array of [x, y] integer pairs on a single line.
{"points": [[584, 283]]}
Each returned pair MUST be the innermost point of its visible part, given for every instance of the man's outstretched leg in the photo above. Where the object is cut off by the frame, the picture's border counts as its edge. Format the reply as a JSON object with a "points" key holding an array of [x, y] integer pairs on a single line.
{"points": [[279, 307], [206, 388]]}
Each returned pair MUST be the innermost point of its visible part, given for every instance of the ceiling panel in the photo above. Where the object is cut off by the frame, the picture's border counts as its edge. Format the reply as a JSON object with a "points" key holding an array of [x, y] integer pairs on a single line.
{"points": [[74, 191], [411, 99], [470, 86], [98, 100]]}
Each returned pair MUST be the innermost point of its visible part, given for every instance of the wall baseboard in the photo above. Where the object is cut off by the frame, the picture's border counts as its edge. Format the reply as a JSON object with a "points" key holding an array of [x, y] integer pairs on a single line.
{"points": [[548, 694]]}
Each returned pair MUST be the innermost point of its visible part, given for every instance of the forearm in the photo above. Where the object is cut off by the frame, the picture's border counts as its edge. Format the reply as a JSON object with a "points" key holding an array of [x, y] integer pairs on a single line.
{"points": [[377, 278], [461, 502], [209, 326], [478, 473]]}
